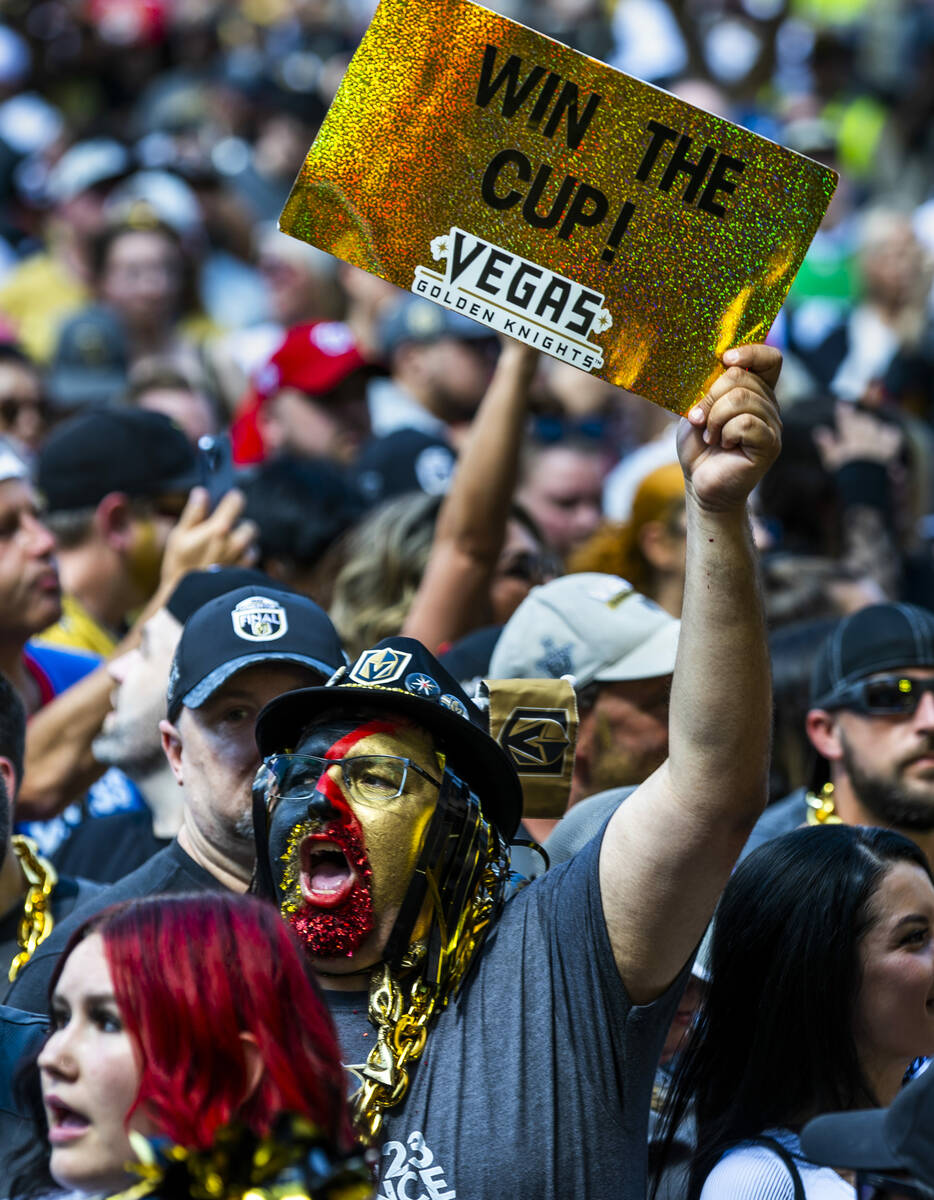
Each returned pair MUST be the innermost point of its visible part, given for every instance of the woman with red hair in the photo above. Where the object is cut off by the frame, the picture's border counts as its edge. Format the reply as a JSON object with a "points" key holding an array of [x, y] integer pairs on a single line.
{"points": [[175, 1017]]}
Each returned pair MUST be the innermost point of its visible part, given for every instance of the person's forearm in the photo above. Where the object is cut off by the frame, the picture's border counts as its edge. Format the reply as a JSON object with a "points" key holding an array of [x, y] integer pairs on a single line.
{"points": [[476, 509], [59, 766], [472, 522], [718, 753]]}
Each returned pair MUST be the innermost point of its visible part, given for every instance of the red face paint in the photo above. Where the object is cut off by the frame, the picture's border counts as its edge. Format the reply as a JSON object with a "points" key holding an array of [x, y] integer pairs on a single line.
{"points": [[336, 914]]}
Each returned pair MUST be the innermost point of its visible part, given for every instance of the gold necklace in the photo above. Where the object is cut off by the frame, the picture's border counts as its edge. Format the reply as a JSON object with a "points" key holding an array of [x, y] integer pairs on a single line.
{"points": [[37, 919], [402, 1014], [821, 807]]}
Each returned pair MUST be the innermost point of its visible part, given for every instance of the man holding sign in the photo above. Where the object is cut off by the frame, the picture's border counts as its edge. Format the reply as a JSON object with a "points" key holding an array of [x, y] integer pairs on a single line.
{"points": [[386, 808]]}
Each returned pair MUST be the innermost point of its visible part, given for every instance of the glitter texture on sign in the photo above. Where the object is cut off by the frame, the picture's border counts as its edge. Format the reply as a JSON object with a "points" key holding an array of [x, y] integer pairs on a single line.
{"points": [[632, 234]]}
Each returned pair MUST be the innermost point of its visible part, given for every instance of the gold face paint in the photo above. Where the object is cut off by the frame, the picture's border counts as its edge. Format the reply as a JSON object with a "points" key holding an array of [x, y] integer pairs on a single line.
{"points": [[546, 195], [393, 830], [379, 840]]}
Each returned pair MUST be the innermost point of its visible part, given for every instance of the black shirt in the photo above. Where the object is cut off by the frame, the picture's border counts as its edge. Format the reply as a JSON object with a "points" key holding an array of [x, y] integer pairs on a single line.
{"points": [[108, 848]]}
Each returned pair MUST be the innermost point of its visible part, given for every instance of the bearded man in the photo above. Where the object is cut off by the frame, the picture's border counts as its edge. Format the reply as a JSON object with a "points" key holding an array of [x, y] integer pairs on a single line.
{"points": [[510, 1047], [871, 723]]}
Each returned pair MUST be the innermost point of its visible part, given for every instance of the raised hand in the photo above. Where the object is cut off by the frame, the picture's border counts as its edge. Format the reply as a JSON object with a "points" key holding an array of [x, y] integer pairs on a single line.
{"points": [[733, 435]]}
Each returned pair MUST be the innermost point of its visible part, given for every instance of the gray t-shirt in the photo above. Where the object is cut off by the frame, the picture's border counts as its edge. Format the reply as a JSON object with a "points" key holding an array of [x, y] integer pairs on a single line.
{"points": [[536, 1081]]}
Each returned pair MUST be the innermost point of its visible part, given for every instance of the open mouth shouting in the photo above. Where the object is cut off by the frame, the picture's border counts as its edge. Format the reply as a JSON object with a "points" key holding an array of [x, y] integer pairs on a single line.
{"points": [[327, 877], [327, 898]]}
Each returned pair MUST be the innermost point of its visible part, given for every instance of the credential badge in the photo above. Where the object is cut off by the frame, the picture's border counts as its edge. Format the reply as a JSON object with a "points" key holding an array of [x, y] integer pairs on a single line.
{"points": [[536, 739], [380, 666], [259, 619]]}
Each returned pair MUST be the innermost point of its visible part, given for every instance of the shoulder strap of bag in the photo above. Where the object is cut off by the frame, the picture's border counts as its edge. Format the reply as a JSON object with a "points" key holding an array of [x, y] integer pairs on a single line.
{"points": [[785, 1156]]}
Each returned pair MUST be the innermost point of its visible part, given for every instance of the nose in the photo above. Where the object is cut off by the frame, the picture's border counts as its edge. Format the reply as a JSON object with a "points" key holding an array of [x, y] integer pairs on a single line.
{"points": [[41, 539], [924, 713], [320, 808], [117, 667], [55, 1057]]}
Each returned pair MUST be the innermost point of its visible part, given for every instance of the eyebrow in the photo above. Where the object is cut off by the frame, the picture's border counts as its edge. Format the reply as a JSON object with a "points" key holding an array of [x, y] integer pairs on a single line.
{"points": [[912, 918]]}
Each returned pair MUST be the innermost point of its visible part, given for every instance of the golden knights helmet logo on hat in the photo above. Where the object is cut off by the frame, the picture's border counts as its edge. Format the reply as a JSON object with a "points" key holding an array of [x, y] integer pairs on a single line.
{"points": [[380, 666], [259, 619]]}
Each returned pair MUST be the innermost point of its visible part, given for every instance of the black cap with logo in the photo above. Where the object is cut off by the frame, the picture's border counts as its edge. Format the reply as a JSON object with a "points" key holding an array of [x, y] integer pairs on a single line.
{"points": [[244, 627]]}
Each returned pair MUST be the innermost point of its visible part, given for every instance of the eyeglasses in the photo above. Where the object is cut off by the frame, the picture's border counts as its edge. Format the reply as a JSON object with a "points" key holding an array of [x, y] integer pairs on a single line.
{"points": [[887, 695], [870, 1186], [368, 778]]}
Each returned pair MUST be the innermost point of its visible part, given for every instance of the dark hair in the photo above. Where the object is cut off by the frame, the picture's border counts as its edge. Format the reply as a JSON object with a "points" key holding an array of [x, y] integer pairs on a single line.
{"points": [[12, 728], [302, 506], [774, 1043]]}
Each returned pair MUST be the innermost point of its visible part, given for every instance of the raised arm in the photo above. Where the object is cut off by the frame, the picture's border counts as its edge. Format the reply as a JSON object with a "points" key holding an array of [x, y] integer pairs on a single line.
{"points": [[472, 522], [59, 765], [669, 848]]}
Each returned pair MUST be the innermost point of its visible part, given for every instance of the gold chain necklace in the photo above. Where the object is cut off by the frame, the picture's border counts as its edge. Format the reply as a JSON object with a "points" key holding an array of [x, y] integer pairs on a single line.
{"points": [[37, 920], [821, 807], [402, 1025]]}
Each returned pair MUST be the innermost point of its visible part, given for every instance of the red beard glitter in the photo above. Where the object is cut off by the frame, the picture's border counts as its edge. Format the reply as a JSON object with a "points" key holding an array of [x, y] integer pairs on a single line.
{"points": [[339, 932]]}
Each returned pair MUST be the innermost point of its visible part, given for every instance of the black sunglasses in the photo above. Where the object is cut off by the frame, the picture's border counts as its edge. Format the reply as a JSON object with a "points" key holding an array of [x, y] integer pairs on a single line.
{"points": [[887, 695], [870, 1186]]}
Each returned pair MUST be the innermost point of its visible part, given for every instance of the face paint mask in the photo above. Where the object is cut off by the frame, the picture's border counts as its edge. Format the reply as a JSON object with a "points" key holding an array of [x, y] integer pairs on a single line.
{"points": [[343, 847]]}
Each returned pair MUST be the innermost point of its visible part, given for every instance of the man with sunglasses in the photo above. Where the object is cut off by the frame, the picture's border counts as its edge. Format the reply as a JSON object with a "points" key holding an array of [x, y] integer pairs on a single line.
{"points": [[871, 723]]}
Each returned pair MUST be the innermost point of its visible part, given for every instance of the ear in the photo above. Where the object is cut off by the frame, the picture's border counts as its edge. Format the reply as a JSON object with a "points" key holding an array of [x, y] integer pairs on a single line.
{"points": [[172, 746], [253, 1064], [114, 520], [821, 727], [654, 544], [9, 778]]}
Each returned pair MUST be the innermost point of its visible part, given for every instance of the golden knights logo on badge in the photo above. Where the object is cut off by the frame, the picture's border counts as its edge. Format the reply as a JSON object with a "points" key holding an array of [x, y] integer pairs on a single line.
{"points": [[536, 739], [259, 619], [380, 666]]}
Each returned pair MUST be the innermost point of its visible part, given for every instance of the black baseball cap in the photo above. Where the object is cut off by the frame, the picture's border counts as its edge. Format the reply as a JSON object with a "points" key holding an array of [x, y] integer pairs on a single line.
{"points": [[407, 460], [882, 637], [198, 587], [128, 450], [241, 628], [400, 676], [897, 1138]]}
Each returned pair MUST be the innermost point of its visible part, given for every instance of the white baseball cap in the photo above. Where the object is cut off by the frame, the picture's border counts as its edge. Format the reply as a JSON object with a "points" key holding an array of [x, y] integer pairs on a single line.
{"points": [[595, 627]]}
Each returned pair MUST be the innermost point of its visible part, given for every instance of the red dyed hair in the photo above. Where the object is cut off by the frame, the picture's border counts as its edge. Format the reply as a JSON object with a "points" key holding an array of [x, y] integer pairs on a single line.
{"points": [[190, 975]]}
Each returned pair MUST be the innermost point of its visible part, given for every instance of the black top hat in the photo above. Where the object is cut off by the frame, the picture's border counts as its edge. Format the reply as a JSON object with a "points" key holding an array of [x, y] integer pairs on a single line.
{"points": [[399, 675]]}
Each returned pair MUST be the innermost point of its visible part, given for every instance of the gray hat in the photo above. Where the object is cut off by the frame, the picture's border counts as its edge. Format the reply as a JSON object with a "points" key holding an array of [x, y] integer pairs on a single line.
{"points": [[418, 320], [595, 627], [91, 361]]}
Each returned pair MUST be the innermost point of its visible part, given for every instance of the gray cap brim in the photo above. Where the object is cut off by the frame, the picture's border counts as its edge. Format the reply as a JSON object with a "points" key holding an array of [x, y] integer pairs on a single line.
{"points": [[209, 685], [850, 1139]]}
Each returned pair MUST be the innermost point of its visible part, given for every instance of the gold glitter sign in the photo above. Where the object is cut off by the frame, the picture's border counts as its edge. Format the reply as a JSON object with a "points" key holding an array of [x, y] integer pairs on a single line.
{"points": [[547, 196]]}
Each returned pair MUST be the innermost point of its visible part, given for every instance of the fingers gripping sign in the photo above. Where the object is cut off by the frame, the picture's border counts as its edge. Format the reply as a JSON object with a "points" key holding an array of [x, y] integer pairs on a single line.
{"points": [[733, 435]]}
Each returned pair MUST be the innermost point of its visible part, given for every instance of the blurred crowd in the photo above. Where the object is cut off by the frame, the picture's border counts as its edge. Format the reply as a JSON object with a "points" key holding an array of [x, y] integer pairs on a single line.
{"points": [[233, 467]]}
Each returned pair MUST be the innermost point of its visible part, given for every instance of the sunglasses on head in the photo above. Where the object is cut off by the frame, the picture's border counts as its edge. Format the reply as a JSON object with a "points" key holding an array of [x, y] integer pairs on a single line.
{"points": [[886, 695], [871, 1186]]}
